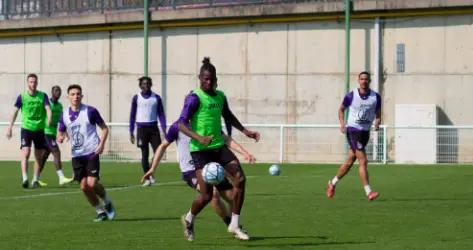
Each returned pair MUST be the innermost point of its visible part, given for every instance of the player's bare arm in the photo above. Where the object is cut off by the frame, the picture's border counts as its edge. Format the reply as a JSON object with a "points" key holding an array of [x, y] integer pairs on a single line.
{"points": [[158, 155], [8, 132], [341, 118], [232, 144], [103, 138]]}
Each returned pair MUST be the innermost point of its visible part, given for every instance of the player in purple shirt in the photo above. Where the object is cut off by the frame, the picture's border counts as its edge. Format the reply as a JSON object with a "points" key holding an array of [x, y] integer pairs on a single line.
{"points": [[186, 165], [364, 106], [146, 109], [79, 123]]}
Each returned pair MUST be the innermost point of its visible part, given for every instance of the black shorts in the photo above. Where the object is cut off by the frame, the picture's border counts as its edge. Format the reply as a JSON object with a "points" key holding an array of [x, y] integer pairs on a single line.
{"points": [[358, 139], [222, 155], [50, 142], [37, 137], [147, 135], [85, 166], [191, 179]]}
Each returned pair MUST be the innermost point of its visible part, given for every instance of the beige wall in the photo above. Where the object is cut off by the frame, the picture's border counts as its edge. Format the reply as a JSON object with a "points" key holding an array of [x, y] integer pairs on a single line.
{"points": [[271, 73]]}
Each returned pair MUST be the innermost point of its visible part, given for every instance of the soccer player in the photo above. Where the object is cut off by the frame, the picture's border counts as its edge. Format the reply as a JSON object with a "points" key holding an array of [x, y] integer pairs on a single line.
{"points": [[79, 122], [146, 108], [50, 133], [200, 119], [188, 169], [364, 106], [35, 113]]}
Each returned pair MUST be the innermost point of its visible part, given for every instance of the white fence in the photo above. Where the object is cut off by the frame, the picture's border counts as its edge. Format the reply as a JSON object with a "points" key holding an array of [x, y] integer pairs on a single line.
{"points": [[297, 143]]}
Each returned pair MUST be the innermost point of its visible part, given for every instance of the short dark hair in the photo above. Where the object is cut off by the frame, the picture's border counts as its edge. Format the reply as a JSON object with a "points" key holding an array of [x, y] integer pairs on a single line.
{"points": [[208, 66], [365, 73], [145, 78], [74, 86], [32, 75], [55, 87]]}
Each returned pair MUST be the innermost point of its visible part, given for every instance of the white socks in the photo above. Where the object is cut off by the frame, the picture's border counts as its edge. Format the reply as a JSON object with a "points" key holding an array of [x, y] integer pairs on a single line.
{"points": [[367, 189], [99, 209], [190, 217], [35, 178], [25, 176], [106, 200], [334, 180], [60, 173], [235, 222]]}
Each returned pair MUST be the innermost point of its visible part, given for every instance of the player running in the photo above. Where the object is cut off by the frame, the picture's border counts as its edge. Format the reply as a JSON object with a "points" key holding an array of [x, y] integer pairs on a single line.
{"points": [[79, 123], [35, 113], [50, 134], [364, 107]]}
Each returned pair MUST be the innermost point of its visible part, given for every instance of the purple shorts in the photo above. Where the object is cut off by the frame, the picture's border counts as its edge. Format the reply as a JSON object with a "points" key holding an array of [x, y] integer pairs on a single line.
{"points": [[357, 139], [51, 143]]}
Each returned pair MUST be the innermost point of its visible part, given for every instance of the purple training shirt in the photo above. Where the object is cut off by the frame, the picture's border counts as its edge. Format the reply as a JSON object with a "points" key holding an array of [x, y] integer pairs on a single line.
{"points": [[160, 112], [94, 117], [173, 132], [349, 98]]}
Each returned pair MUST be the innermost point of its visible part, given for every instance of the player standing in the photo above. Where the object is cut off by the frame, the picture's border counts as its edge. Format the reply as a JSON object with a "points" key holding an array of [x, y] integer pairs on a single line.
{"points": [[188, 169], [146, 108]]}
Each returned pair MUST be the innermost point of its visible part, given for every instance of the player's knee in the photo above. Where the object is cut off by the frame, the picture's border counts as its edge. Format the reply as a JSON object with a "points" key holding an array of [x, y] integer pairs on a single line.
{"points": [[91, 184], [206, 198], [240, 179], [84, 187]]}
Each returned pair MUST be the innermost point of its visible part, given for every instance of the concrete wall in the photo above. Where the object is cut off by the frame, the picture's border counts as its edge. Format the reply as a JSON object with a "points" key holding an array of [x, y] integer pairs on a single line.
{"points": [[271, 73]]}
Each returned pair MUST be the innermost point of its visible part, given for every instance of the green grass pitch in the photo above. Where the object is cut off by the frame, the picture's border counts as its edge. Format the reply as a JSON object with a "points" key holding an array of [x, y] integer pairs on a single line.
{"points": [[420, 207]]}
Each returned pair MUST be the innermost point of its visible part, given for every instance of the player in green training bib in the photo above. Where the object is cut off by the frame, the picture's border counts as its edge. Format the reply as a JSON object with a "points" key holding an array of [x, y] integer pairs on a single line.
{"points": [[201, 119], [35, 114], [50, 133]]}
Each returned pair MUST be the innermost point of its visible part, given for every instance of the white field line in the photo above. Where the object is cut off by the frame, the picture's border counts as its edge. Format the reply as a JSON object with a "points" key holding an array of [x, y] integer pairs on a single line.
{"points": [[20, 197], [78, 191]]}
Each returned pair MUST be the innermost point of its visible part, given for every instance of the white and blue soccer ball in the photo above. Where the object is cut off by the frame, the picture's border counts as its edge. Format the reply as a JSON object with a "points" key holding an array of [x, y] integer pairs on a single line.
{"points": [[274, 170], [213, 173]]}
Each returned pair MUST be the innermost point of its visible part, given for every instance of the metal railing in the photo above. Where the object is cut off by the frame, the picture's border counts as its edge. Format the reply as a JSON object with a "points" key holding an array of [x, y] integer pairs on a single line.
{"points": [[20, 9], [311, 143]]}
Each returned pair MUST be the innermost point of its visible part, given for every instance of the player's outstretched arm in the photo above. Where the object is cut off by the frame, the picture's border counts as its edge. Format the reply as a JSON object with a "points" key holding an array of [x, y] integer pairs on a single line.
{"points": [[230, 118], [232, 144], [8, 132], [158, 155], [103, 138]]}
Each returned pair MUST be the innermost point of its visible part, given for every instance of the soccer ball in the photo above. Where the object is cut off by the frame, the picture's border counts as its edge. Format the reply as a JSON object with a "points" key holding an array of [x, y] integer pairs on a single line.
{"points": [[274, 170], [213, 173]]}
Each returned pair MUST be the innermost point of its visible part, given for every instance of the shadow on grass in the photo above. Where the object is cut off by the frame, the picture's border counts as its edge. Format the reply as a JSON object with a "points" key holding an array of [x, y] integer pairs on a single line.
{"points": [[147, 219], [275, 241], [259, 238], [270, 194], [424, 199], [301, 244]]}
